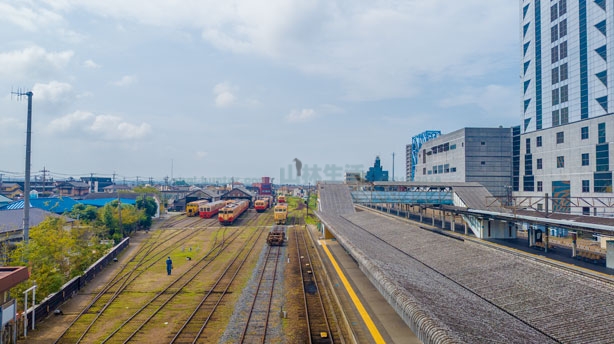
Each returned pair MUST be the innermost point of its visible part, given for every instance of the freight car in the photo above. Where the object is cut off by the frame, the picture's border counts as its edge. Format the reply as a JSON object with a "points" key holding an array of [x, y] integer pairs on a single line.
{"points": [[228, 214], [276, 236], [261, 205], [208, 210], [192, 208], [280, 213]]}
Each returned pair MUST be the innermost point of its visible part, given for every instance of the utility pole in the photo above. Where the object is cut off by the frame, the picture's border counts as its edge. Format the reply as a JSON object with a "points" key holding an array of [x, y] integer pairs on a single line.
{"points": [[26, 186], [44, 178], [393, 166]]}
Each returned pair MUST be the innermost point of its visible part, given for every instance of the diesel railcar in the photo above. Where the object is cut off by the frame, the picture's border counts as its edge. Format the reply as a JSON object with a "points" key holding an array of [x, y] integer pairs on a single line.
{"points": [[192, 208], [228, 214], [208, 210], [261, 205], [281, 199], [280, 213]]}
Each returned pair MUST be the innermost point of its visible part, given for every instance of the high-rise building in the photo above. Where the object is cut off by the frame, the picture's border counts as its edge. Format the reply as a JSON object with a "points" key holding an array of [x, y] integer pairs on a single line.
{"points": [[567, 85]]}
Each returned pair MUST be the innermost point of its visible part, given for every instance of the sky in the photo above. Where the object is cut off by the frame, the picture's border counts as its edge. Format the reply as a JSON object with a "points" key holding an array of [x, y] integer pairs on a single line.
{"points": [[238, 89]]}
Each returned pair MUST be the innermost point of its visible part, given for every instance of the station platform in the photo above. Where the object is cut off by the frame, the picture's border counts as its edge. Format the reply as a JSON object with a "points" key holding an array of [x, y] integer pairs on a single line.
{"points": [[390, 328]]}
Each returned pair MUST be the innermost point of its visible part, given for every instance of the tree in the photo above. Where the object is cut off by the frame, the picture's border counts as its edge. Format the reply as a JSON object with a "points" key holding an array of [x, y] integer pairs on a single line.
{"points": [[84, 213], [146, 189], [55, 254], [148, 204]]}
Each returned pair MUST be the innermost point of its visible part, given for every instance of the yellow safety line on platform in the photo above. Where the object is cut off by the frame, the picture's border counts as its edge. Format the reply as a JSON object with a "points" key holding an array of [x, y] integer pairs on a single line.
{"points": [[361, 309]]}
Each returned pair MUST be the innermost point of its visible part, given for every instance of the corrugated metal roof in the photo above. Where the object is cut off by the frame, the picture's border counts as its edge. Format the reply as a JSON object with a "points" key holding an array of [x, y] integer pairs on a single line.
{"points": [[478, 197], [101, 202], [52, 204]]}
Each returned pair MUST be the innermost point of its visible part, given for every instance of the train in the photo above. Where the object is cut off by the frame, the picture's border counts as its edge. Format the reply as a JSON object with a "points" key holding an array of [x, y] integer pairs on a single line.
{"points": [[281, 199], [208, 210], [261, 205], [193, 208], [276, 236], [280, 213], [228, 214]]}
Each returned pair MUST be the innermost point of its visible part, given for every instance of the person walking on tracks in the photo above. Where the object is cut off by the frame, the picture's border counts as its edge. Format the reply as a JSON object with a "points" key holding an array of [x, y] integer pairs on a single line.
{"points": [[169, 265]]}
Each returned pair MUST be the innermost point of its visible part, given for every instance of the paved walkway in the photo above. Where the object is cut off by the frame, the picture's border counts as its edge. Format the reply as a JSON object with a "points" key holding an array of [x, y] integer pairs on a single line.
{"points": [[389, 325]]}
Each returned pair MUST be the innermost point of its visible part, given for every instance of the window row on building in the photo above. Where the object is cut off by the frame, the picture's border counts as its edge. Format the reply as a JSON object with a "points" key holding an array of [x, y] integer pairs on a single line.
{"points": [[439, 169]]}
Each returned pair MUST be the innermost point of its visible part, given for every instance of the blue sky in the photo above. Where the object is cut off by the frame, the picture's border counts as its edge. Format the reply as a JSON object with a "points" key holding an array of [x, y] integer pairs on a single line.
{"points": [[240, 88]]}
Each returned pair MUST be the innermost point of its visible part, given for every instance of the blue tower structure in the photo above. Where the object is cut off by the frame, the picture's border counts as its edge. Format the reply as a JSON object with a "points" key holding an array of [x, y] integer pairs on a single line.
{"points": [[416, 143], [376, 173]]}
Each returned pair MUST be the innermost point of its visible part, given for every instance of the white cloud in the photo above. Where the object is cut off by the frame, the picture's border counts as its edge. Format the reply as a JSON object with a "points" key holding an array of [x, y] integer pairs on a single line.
{"points": [[102, 127], [91, 64], [54, 91], [303, 115], [33, 60], [201, 154], [73, 121], [376, 50], [224, 96], [126, 80], [113, 127], [29, 19]]}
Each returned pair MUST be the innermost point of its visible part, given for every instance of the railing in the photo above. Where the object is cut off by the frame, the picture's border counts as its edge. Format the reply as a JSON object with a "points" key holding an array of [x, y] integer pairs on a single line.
{"points": [[406, 197]]}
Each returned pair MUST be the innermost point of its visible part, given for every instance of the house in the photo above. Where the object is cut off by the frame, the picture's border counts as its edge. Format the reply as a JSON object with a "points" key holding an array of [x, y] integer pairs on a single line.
{"points": [[11, 190], [97, 184], [11, 222], [116, 188], [73, 189]]}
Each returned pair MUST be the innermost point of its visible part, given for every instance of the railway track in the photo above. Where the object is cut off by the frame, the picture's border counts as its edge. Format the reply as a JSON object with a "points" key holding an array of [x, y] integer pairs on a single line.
{"points": [[320, 319], [255, 329], [146, 257], [194, 326]]}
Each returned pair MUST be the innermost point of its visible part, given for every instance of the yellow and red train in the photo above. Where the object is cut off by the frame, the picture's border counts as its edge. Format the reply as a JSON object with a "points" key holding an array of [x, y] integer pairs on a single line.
{"points": [[193, 208], [281, 199], [208, 210], [261, 205], [228, 214]]}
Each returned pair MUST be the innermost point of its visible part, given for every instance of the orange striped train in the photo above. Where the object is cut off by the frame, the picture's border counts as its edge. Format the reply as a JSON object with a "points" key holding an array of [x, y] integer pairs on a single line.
{"points": [[261, 205], [231, 212]]}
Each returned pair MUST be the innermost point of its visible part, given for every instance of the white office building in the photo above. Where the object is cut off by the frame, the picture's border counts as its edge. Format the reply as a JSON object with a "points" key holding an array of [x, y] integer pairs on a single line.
{"points": [[567, 87]]}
